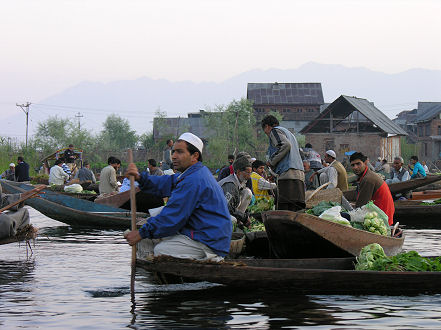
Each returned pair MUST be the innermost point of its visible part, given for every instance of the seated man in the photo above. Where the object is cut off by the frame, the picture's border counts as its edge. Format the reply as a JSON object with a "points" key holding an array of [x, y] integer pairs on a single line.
{"points": [[370, 187], [153, 169], [9, 174], [335, 173], [57, 175], [85, 173], [195, 223], [237, 194], [398, 174], [311, 180], [108, 183], [418, 170], [260, 186]]}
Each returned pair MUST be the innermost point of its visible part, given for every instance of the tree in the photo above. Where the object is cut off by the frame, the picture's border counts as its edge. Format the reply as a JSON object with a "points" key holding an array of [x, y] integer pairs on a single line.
{"points": [[117, 134]]}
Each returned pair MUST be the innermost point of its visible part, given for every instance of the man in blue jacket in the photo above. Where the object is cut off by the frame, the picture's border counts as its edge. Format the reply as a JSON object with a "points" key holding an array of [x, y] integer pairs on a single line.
{"points": [[195, 223], [418, 170]]}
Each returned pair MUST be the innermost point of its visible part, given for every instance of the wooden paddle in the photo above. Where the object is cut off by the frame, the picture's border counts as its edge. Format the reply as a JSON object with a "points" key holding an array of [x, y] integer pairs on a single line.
{"points": [[31, 193], [133, 213]]}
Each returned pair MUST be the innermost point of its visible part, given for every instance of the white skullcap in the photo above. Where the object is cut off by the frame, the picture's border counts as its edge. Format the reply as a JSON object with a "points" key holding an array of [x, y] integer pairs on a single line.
{"points": [[12, 164], [331, 153], [192, 139]]}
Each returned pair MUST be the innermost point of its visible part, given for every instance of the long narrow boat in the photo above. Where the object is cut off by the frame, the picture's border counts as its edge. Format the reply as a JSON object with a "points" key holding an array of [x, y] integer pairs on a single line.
{"points": [[71, 210], [144, 201], [302, 276], [401, 187], [415, 214], [301, 235], [426, 195]]}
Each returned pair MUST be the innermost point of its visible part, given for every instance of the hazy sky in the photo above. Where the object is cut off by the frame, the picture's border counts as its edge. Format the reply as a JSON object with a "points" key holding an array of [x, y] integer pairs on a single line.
{"points": [[49, 45]]}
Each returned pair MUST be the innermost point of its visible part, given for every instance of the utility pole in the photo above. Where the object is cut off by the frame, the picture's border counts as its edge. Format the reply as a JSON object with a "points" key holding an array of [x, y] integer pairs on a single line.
{"points": [[23, 106], [79, 116]]}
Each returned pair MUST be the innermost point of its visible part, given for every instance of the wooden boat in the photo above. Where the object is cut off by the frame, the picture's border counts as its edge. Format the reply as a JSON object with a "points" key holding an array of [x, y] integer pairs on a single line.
{"points": [[71, 210], [302, 276], [301, 235], [401, 187], [144, 201], [426, 195], [414, 214]]}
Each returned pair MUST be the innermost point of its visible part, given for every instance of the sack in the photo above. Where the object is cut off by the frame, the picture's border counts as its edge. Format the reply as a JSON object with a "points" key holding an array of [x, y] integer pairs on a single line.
{"points": [[358, 215], [333, 214], [73, 188]]}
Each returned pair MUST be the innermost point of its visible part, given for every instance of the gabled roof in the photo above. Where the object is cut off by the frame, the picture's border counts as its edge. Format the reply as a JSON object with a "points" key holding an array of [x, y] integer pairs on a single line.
{"points": [[429, 112], [342, 107], [285, 93]]}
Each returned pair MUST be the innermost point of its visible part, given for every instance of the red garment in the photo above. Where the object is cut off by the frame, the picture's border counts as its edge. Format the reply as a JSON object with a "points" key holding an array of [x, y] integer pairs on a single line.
{"points": [[231, 169], [372, 187], [383, 199]]}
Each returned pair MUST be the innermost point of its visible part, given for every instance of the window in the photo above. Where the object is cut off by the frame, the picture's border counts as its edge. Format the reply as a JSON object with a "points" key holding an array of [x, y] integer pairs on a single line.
{"points": [[425, 149], [439, 130], [428, 130]]}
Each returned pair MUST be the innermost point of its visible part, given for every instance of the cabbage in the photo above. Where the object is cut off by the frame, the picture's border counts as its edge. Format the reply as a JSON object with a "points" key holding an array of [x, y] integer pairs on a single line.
{"points": [[73, 188]]}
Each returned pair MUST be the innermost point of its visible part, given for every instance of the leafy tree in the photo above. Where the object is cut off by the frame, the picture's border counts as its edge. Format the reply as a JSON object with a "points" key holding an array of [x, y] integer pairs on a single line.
{"points": [[117, 134]]}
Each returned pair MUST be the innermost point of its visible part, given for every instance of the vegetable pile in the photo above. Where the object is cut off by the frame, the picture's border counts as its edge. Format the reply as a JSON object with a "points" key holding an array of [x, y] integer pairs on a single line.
{"points": [[255, 225], [262, 205], [321, 207], [436, 201], [372, 257], [374, 224]]}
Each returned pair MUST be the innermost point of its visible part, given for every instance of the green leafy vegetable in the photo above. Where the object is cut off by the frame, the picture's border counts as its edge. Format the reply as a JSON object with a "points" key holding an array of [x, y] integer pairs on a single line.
{"points": [[322, 207]]}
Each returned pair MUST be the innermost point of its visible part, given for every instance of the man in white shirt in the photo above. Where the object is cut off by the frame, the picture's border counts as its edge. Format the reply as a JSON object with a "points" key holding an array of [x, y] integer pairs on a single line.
{"points": [[57, 175]]}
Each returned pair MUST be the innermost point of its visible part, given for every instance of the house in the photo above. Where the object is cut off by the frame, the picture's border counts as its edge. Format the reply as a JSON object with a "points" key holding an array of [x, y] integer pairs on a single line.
{"points": [[298, 103], [175, 126], [351, 123], [428, 122], [406, 120]]}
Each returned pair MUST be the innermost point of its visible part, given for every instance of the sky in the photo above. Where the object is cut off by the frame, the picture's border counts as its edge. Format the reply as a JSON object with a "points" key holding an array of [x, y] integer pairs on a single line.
{"points": [[50, 45]]}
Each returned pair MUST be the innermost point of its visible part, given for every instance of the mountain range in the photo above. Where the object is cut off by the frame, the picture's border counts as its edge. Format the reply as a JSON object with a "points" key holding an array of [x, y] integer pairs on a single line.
{"points": [[137, 100]]}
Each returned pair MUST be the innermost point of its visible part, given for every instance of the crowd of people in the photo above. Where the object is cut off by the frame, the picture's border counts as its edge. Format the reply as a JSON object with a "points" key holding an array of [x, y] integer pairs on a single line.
{"points": [[197, 220]]}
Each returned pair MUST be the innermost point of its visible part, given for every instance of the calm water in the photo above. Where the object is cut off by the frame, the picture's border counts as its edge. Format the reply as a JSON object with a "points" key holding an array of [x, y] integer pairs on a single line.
{"points": [[80, 279]]}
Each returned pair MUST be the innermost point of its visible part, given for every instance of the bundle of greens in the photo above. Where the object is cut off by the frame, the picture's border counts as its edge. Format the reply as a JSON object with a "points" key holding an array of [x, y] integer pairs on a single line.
{"points": [[255, 225], [322, 207], [262, 205], [372, 257], [436, 201]]}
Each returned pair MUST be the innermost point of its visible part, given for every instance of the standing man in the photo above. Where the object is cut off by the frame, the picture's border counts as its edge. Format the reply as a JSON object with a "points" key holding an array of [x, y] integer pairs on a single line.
{"points": [[226, 170], [166, 156], [335, 173], [311, 179], [108, 183], [195, 223], [22, 170], [285, 161], [69, 157], [418, 170], [315, 161], [370, 187], [9, 174], [153, 169]]}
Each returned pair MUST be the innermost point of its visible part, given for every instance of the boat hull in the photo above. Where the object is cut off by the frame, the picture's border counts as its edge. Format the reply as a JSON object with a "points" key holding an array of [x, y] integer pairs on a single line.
{"points": [[305, 276]]}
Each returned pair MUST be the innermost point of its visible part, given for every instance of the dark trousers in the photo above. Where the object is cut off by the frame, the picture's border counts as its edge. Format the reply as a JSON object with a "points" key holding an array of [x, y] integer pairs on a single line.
{"points": [[291, 195]]}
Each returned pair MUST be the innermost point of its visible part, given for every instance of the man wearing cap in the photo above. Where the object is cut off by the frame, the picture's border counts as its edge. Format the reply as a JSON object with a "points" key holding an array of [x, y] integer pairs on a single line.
{"points": [[335, 173], [9, 174], [195, 223], [285, 161], [236, 192]]}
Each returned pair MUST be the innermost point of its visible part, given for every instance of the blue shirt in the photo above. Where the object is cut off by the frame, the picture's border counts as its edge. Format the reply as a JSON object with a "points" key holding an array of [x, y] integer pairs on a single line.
{"points": [[418, 168], [196, 208]]}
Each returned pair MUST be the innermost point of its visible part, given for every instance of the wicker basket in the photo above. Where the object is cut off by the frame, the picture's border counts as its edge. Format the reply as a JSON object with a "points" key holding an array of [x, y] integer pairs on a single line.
{"points": [[237, 244], [328, 195]]}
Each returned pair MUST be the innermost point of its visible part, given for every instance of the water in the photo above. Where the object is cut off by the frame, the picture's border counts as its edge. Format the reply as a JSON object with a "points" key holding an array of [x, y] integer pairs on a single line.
{"points": [[80, 279]]}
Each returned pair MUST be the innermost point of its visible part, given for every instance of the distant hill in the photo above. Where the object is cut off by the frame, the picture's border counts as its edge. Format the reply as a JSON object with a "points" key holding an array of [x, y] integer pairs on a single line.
{"points": [[138, 99]]}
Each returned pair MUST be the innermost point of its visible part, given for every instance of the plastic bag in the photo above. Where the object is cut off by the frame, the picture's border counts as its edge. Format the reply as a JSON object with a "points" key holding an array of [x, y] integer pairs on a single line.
{"points": [[359, 214], [333, 214], [73, 188]]}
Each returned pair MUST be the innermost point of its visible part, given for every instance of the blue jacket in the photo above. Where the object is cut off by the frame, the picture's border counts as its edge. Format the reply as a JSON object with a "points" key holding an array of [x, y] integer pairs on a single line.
{"points": [[196, 208], [418, 168]]}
